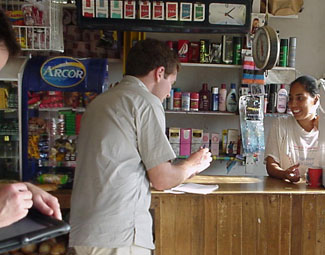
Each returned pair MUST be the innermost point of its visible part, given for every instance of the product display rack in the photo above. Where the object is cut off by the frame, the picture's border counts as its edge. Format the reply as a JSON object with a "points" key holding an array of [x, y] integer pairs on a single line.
{"points": [[174, 26]]}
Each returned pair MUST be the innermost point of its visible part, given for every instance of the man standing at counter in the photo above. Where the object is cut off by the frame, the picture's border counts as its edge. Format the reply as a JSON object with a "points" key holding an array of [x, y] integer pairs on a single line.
{"points": [[122, 147]]}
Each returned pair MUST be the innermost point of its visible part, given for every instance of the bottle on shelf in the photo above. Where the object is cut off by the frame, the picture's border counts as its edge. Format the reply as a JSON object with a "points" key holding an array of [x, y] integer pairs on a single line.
{"points": [[194, 103], [232, 99], [282, 99], [271, 105], [283, 60], [222, 98], [292, 51], [205, 96], [215, 99], [177, 99], [237, 47]]}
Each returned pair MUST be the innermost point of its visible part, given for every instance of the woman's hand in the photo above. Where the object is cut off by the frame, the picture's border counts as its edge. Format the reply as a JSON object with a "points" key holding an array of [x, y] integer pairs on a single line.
{"points": [[292, 173]]}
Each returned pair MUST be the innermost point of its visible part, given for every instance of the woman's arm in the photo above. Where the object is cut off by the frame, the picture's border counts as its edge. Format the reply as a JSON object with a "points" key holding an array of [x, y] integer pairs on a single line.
{"points": [[274, 170]]}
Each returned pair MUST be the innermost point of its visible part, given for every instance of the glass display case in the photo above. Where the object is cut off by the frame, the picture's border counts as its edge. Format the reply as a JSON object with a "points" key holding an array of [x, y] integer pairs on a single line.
{"points": [[10, 119]]}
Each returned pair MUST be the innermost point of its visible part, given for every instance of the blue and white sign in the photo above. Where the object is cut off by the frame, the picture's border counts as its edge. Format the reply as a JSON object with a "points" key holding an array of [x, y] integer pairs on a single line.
{"points": [[63, 72]]}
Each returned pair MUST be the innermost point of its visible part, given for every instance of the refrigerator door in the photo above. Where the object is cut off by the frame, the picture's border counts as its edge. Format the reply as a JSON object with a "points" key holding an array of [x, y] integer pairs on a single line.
{"points": [[55, 94], [10, 119]]}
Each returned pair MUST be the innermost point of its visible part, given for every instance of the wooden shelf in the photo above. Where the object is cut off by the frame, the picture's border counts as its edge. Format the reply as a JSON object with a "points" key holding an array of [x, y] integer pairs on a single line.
{"points": [[211, 65], [202, 113]]}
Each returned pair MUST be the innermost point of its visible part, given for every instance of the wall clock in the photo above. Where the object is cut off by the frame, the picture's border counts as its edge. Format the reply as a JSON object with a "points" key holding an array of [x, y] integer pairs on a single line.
{"points": [[265, 48], [227, 14]]}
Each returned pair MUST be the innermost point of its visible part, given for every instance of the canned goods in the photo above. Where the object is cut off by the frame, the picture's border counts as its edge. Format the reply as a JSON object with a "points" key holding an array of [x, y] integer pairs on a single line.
{"points": [[194, 103], [186, 101], [177, 101]]}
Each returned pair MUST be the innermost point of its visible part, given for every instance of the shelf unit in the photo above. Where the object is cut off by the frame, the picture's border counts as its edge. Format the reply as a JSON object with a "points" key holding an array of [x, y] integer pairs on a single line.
{"points": [[46, 36]]}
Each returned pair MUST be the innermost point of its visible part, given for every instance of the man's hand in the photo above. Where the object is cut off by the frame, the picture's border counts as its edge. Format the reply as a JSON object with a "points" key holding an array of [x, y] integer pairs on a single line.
{"points": [[45, 202]]}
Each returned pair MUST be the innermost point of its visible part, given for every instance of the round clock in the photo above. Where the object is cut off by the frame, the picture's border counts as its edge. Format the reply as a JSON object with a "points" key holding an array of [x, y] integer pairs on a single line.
{"points": [[265, 48]]}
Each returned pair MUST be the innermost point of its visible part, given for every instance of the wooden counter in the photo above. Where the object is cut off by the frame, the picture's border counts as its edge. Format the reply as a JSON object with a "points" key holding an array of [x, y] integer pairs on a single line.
{"points": [[246, 215]]}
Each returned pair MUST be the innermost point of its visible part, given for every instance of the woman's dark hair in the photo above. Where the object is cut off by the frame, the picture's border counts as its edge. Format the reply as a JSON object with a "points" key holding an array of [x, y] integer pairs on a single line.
{"points": [[7, 35], [149, 54], [309, 83]]}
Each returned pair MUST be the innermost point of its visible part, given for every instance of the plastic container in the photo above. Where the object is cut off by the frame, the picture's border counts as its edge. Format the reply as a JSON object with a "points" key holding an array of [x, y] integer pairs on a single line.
{"points": [[237, 47], [282, 97], [215, 99], [271, 105], [194, 104], [186, 101], [177, 101], [232, 99], [205, 96], [283, 60], [292, 51], [222, 98]]}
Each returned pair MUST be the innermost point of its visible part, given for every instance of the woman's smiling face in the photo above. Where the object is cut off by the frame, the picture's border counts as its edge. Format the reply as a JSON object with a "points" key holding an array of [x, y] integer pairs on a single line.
{"points": [[301, 103]]}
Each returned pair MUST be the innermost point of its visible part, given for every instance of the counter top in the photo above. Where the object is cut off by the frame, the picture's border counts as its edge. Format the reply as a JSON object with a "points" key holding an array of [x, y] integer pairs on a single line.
{"points": [[252, 185], [229, 185]]}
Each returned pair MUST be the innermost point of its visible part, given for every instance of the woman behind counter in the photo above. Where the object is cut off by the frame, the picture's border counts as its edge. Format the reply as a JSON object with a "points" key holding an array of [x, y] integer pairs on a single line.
{"points": [[292, 143]]}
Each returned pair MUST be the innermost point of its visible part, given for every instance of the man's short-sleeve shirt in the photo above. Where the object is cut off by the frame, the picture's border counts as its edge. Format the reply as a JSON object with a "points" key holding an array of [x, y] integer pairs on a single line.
{"points": [[122, 136]]}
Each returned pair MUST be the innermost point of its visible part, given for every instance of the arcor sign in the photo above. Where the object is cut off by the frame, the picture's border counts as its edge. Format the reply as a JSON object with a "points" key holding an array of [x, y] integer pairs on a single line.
{"points": [[63, 72]]}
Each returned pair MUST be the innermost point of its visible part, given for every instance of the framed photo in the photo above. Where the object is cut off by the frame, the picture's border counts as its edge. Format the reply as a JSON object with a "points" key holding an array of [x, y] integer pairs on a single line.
{"points": [[257, 20]]}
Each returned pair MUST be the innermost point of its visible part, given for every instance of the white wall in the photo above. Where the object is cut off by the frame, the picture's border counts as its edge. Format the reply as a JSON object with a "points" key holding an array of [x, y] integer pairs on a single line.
{"points": [[309, 28]]}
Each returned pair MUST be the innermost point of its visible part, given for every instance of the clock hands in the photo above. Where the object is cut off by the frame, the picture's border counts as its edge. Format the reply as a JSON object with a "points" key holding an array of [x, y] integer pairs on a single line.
{"points": [[227, 14]]}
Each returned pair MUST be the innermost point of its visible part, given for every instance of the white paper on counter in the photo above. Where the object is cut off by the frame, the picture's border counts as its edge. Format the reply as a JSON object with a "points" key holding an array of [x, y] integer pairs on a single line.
{"points": [[195, 188]]}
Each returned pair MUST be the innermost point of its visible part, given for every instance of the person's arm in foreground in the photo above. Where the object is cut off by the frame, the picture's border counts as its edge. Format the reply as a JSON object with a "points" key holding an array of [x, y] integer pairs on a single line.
{"points": [[168, 175], [274, 170], [17, 198], [15, 201], [45, 202]]}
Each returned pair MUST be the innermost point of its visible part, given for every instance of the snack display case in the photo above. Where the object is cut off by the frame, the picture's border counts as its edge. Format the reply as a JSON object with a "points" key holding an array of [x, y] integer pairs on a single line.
{"points": [[10, 119], [55, 94]]}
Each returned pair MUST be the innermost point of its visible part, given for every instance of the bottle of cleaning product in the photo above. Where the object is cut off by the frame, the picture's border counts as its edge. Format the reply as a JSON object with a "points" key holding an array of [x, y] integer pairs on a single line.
{"points": [[232, 99], [222, 98], [282, 99]]}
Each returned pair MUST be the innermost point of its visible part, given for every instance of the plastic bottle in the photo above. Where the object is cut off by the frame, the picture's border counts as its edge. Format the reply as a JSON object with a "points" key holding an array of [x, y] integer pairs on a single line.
{"points": [[282, 99], [215, 99], [222, 98], [205, 96], [283, 52], [292, 51], [194, 103], [232, 99], [237, 47], [271, 105]]}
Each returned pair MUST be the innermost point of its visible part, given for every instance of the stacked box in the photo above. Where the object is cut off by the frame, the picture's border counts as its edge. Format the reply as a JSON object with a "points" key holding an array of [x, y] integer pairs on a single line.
{"points": [[185, 146], [224, 141], [232, 142], [197, 137], [174, 135], [206, 140], [215, 141]]}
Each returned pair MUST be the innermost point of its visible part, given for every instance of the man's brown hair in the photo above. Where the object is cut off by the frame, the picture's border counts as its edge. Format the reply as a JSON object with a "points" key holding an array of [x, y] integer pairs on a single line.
{"points": [[149, 54]]}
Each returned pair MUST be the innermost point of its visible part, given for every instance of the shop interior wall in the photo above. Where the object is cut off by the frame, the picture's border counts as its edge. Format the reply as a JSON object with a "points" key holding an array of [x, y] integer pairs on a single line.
{"points": [[310, 33]]}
